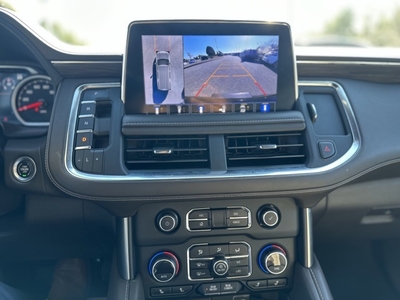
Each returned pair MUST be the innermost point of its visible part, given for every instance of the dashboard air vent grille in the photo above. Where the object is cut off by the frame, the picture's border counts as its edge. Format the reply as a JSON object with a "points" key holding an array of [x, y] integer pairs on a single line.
{"points": [[243, 150], [166, 152]]}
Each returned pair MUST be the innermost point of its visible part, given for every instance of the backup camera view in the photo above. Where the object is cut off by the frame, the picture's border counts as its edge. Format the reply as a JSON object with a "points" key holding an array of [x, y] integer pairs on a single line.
{"points": [[210, 69]]}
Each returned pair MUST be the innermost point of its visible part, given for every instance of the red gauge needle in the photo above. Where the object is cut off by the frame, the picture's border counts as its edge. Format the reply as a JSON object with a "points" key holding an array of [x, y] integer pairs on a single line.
{"points": [[30, 106]]}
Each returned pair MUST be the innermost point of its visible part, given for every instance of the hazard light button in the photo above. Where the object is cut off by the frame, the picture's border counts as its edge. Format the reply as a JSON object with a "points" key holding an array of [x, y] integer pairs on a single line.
{"points": [[326, 149]]}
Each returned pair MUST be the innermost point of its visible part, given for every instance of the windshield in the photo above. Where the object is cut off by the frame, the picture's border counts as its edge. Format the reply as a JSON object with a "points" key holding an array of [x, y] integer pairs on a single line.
{"points": [[102, 25]]}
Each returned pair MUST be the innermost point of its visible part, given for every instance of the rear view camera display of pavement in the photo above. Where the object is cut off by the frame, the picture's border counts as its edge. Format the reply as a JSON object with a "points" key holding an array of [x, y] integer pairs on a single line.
{"points": [[200, 69]]}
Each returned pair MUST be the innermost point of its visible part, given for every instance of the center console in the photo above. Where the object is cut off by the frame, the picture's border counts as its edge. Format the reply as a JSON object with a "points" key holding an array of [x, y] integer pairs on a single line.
{"points": [[246, 248]]}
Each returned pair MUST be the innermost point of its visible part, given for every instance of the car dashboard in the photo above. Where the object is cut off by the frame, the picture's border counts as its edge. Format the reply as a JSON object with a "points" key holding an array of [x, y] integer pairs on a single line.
{"points": [[204, 206]]}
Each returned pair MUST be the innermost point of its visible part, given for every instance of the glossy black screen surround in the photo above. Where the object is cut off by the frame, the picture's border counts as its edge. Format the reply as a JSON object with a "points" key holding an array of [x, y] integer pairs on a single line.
{"points": [[133, 91]]}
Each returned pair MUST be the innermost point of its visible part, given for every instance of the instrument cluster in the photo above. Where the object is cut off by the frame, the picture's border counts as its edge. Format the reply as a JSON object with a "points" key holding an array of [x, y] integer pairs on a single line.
{"points": [[25, 96]]}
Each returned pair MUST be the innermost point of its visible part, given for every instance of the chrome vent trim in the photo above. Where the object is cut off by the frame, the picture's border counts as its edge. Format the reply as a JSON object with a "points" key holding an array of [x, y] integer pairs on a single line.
{"points": [[195, 175], [166, 152], [264, 149]]}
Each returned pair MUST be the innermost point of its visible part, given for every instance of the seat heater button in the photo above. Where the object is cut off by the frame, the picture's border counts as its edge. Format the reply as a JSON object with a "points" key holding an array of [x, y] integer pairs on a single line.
{"points": [[182, 290], [219, 249], [160, 291], [280, 282], [257, 284]]}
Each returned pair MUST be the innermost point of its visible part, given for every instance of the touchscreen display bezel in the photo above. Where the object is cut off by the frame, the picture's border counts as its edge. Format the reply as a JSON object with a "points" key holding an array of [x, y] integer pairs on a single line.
{"points": [[133, 81]]}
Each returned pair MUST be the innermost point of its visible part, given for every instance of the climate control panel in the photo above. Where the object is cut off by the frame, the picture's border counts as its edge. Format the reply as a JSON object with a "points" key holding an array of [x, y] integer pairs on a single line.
{"points": [[209, 261]]}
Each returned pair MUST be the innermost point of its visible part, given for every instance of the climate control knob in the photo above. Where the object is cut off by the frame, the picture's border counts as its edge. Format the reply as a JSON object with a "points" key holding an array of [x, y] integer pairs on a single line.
{"points": [[164, 266], [273, 259]]}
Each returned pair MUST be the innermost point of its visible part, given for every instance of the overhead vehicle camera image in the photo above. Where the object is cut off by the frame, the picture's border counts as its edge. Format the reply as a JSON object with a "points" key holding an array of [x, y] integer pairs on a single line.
{"points": [[163, 69], [229, 67]]}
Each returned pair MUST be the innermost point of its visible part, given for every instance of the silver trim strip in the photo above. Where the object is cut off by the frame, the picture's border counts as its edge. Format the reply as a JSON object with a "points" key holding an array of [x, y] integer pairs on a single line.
{"points": [[307, 237], [125, 244], [66, 62], [250, 173], [344, 62], [29, 69]]}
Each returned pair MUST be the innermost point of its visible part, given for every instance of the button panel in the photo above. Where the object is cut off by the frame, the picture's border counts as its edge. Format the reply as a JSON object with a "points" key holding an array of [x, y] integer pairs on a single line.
{"points": [[205, 219], [209, 261]]}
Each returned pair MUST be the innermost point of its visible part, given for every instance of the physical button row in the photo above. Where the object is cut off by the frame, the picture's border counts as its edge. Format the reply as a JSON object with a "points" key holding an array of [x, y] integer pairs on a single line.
{"points": [[206, 219], [209, 289], [175, 290], [89, 161], [266, 284], [233, 249], [202, 274]]}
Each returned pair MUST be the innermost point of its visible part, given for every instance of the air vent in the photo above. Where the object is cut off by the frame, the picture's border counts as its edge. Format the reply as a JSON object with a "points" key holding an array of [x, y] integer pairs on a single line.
{"points": [[166, 152], [244, 150]]}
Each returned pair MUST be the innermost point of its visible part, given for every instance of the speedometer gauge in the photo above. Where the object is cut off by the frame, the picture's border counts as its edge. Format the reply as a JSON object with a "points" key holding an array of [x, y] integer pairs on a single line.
{"points": [[33, 99]]}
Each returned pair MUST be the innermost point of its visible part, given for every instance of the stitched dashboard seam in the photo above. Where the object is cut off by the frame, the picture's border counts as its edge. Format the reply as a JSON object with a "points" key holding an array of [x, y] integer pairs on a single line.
{"points": [[167, 198], [126, 290], [316, 284]]}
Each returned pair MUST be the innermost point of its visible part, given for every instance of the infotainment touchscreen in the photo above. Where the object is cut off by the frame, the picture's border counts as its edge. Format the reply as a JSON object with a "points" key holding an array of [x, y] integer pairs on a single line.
{"points": [[209, 70]]}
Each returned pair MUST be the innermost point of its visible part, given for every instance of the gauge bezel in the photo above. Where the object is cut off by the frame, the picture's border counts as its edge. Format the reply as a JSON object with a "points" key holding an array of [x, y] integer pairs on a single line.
{"points": [[14, 100]]}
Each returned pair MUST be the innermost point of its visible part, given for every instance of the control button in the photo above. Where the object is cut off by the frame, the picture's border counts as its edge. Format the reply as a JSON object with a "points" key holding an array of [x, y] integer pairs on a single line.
{"points": [[239, 271], [238, 249], [79, 159], [218, 218], [236, 213], [210, 289], [200, 274], [182, 290], [24, 169], [238, 262], [230, 287], [88, 108], [280, 282], [98, 162], [199, 264], [167, 221], [84, 140], [234, 223], [241, 297], [87, 165], [86, 123], [94, 94], [268, 216], [199, 251], [257, 284], [326, 149], [219, 249], [272, 260], [200, 214], [164, 266], [220, 267], [160, 291], [200, 225]]}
